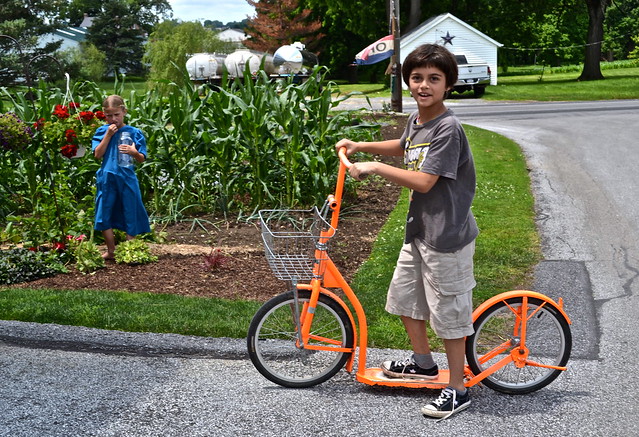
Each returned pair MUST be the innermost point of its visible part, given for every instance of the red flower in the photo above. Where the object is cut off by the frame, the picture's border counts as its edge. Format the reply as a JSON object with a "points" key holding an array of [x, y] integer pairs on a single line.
{"points": [[69, 150], [74, 105], [59, 246], [86, 116], [61, 111], [70, 135], [100, 115], [39, 123]]}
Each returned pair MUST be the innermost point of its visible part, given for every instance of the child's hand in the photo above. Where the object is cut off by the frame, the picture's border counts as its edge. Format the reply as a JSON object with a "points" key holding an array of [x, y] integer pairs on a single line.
{"points": [[111, 130], [361, 170], [348, 144], [127, 148]]}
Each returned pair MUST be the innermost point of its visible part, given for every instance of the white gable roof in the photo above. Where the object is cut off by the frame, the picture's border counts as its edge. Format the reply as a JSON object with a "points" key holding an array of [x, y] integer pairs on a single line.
{"points": [[457, 36], [433, 22], [232, 35]]}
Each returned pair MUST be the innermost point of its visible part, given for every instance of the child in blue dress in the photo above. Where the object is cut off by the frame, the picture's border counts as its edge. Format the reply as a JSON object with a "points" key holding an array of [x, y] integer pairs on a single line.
{"points": [[118, 201]]}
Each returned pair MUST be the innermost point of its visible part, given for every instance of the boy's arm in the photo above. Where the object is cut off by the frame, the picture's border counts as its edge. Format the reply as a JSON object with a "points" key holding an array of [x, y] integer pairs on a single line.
{"points": [[388, 147], [414, 180]]}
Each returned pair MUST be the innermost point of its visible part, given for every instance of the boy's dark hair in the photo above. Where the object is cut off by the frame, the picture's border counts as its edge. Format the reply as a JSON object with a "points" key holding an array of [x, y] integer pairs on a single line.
{"points": [[431, 55]]}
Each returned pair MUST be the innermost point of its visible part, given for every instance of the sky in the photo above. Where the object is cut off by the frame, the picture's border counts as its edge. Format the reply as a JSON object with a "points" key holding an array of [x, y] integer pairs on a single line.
{"points": [[220, 10]]}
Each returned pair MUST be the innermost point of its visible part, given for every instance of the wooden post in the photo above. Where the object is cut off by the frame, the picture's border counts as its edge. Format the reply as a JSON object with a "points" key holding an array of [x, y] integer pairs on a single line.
{"points": [[396, 71]]}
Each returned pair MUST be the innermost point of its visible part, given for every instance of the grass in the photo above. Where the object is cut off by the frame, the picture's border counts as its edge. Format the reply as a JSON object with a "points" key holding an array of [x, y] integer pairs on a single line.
{"points": [[132, 312], [620, 83], [530, 84], [507, 249]]}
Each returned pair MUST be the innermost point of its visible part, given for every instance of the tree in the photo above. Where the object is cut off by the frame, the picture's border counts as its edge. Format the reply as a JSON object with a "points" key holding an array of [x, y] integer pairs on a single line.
{"points": [[620, 26], [85, 62], [23, 25], [171, 43], [120, 28], [280, 22], [596, 15], [75, 10], [415, 15]]}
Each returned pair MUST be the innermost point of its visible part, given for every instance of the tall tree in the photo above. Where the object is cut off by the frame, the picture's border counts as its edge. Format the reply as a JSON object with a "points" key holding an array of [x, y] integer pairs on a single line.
{"points": [[171, 43], [621, 25], [596, 15], [414, 15], [280, 22], [22, 48], [75, 10], [120, 29]]}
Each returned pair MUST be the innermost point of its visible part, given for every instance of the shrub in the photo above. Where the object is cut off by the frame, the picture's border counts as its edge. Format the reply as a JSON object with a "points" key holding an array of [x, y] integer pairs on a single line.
{"points": [[134, 251], [22, 265]]}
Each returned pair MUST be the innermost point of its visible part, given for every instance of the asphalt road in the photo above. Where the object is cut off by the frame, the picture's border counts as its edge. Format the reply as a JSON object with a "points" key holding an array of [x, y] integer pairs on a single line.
{"points": [[73, 381]]}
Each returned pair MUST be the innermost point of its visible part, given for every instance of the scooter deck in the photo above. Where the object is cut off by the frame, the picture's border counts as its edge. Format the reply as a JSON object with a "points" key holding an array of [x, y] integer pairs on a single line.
{"points": [[375, 376]]}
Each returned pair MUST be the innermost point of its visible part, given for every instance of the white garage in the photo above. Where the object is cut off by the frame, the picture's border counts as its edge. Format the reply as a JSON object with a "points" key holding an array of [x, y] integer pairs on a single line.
{"points": [[457, 36]]}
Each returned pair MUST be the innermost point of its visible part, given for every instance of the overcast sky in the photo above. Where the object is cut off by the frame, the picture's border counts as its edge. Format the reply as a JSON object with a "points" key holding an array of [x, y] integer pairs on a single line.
{"points": [[221, 10]]}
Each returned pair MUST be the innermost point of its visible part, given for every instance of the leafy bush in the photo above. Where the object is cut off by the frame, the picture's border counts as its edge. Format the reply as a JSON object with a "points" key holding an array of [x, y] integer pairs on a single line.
{"points": [[85, 252], [134, 251], [22, 265]]}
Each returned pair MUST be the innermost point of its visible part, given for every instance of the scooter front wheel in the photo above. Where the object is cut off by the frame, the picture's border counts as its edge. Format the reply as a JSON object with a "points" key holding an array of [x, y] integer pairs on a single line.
{"points": [[274, 348]]}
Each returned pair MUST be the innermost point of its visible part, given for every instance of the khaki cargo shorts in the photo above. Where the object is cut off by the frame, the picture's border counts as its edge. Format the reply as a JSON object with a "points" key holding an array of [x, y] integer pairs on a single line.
{"points": [[434, 286]]}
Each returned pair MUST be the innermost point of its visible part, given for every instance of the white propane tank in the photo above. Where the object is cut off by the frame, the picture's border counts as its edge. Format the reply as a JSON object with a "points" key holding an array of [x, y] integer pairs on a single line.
{"points": [[288, 60], [203, 66], [294, 59], [236, 62]]}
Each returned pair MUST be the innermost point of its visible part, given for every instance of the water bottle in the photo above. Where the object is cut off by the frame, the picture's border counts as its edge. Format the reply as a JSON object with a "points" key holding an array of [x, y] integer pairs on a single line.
{"points": [[124, 159]]}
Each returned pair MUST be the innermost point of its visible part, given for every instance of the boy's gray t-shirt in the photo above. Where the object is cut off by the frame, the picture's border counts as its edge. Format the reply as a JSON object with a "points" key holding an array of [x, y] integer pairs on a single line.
{"points": [[442, 218]]}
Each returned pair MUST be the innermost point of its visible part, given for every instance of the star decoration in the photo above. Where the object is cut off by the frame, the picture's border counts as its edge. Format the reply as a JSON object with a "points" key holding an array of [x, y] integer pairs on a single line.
{"points": [[448, 38]]}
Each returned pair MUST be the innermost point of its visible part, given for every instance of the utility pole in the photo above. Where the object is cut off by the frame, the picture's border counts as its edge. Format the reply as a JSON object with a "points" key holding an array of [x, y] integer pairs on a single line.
{"points": [[396, 69]]}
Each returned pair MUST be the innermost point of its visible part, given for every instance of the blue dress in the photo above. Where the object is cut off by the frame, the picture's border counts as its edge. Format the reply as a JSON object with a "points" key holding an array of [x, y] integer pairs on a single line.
{"points": [[118, 201]]}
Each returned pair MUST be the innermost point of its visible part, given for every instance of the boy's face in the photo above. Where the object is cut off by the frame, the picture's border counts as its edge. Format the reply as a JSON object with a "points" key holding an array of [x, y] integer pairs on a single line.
{"points": [[115, 116], [428, 87]]}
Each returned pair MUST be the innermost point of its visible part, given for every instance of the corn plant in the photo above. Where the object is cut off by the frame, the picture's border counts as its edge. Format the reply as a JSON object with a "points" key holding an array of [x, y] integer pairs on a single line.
{"points": [[242, 146]]}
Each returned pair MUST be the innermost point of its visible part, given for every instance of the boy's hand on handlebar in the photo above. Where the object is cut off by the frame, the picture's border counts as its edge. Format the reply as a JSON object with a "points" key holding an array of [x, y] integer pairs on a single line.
{"points": [[349, 145], [361, 170]]}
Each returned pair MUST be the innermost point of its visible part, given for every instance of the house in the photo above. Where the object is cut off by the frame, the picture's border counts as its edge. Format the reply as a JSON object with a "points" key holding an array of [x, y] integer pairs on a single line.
{"points": [[457, 36], [71, 37], [235, 36]]}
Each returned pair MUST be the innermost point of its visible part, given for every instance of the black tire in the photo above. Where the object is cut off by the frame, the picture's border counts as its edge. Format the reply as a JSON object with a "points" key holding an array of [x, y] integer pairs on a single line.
{"points": [[273, 348], [548, 340], [479, 91]]}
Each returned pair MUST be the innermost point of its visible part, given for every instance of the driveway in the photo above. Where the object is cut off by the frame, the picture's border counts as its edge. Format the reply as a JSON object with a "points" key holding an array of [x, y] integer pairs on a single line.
{"points": [[76, 381]]}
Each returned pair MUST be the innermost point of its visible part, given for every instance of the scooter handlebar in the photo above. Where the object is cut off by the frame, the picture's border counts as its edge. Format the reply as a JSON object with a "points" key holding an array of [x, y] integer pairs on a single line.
{"points": [[342, 157]]}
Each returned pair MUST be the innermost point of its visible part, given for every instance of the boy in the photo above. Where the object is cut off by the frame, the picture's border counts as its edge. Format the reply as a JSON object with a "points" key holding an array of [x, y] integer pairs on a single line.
{"points": [[433, 279]]}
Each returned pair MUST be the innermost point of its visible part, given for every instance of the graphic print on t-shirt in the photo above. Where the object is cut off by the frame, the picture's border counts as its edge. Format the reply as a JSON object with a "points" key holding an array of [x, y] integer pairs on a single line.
{"points": [[415, 155]]}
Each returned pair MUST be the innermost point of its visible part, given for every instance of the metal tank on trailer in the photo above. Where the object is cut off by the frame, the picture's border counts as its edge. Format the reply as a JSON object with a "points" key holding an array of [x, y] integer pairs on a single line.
{"points": [[205, 67], [294, 59], [237, 61]]}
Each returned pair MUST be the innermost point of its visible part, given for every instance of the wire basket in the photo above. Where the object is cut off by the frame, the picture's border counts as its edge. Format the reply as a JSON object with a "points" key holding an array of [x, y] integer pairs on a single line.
{"points": [[290, 242]]}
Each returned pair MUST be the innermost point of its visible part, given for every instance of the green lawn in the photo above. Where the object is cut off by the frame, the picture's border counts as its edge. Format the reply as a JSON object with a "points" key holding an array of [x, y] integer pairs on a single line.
{"points": [[620, 83], [507, 250]]}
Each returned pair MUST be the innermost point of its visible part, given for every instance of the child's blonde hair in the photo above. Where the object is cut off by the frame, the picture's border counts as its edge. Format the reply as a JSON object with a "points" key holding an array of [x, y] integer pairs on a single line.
{"points": [[114, 101]]}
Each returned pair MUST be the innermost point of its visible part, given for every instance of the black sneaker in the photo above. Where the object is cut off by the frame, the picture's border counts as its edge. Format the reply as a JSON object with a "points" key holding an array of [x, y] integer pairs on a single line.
{"points": [[449, 402], [408, 369]]}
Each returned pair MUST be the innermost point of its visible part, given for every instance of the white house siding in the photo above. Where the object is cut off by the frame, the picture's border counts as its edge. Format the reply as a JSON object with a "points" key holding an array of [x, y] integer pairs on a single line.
{"points": [[467, 40], [71, 37]]}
